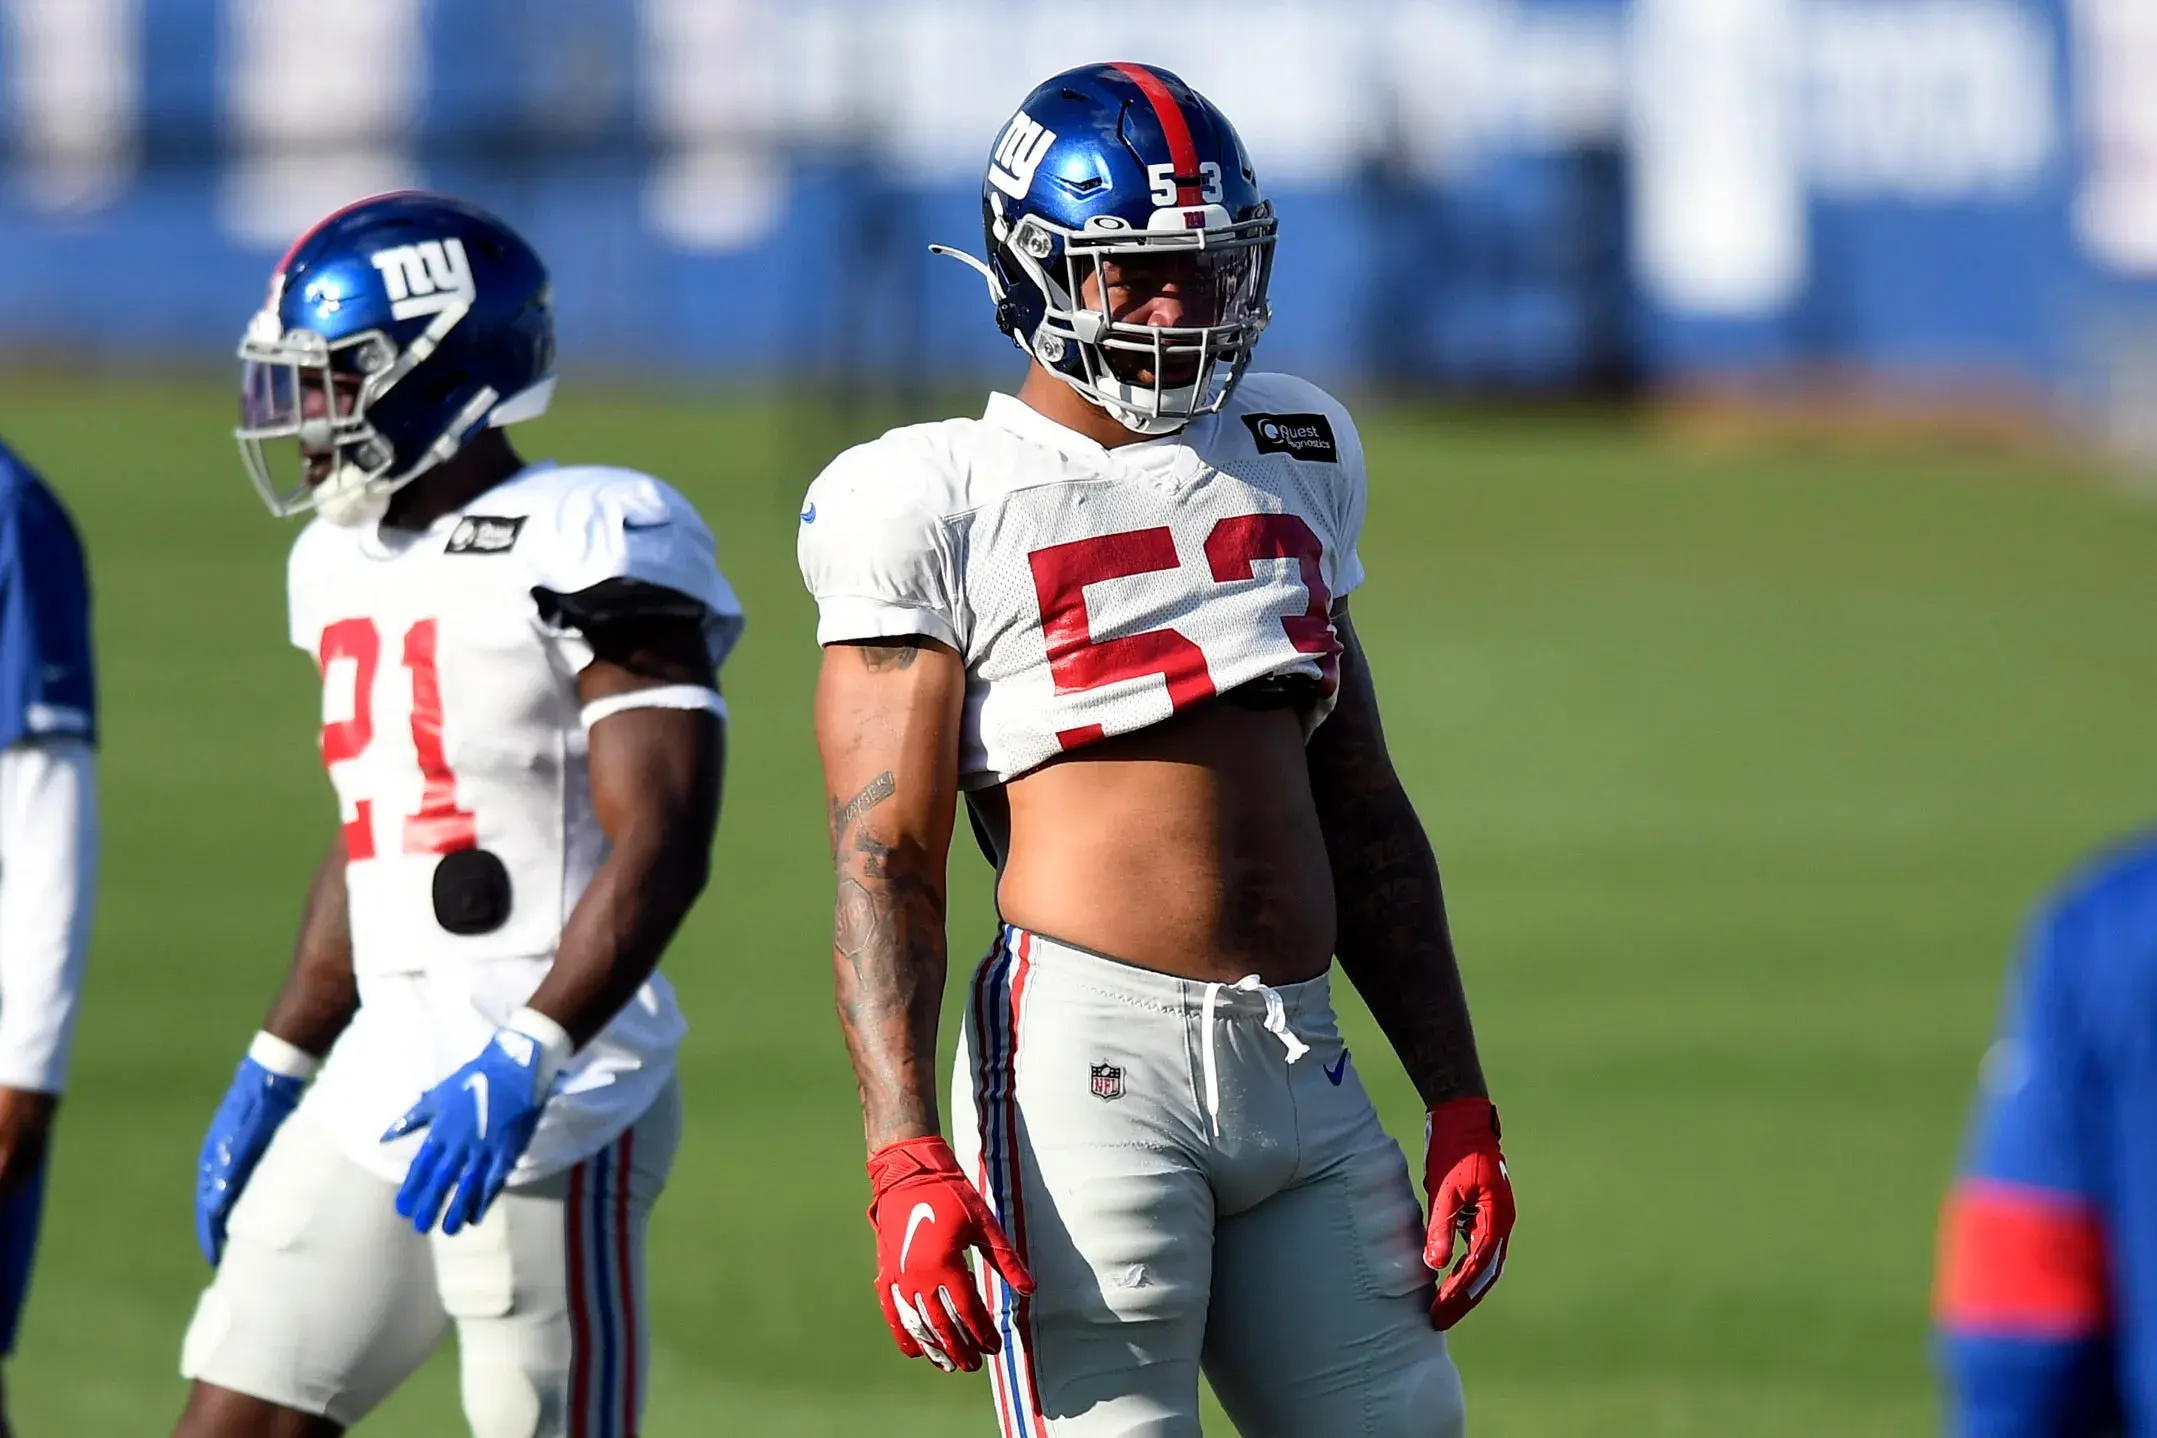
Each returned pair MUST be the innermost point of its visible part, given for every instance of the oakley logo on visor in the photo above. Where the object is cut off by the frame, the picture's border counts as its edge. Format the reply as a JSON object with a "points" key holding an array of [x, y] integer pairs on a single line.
{"points": [[425, 278], [1018, 154], [1299, 436]]}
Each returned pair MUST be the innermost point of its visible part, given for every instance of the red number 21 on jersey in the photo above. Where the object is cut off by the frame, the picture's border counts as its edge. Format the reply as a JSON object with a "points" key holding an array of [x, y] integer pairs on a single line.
{"points": [[440, 826], [1233, 549]]}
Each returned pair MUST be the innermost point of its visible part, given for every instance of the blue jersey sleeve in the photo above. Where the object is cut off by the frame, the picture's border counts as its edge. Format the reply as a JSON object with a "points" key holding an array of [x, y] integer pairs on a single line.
{"points": [[2047, 1297], [48, 682], [2021, 1301]]}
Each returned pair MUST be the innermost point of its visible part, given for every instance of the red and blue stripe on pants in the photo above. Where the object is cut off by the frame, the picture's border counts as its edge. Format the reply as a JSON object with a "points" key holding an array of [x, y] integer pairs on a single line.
{"points": [[998, 999], [604, 1303]]}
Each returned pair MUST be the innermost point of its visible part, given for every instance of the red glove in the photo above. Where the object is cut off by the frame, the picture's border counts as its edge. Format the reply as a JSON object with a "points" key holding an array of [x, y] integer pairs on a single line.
{"points": [[1471, 1195], [927, 1217]]}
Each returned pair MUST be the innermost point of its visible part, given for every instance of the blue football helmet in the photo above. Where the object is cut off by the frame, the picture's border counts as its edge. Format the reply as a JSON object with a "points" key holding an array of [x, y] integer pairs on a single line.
{"points": [[396, 329], [1111, 170]]}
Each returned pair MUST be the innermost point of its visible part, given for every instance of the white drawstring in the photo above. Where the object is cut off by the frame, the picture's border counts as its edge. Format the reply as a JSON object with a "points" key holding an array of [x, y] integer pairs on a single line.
{"points": [[1276, 1024]]}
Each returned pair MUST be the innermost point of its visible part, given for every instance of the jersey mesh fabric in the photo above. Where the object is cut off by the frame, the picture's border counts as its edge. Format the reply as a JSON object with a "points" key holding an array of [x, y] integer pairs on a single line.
{"points": [[1094, 592], [452, 721]]}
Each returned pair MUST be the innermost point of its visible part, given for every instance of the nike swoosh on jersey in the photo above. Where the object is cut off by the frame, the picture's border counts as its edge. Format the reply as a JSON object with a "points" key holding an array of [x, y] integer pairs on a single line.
{"points": [[923, 1213], [476, 1086], [808, 516], [1337, 1070]]}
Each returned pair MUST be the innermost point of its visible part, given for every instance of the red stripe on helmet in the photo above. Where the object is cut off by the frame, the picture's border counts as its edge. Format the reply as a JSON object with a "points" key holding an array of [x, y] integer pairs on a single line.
{"points": [[1182, 150], [331, 218], [2023, 1262]]}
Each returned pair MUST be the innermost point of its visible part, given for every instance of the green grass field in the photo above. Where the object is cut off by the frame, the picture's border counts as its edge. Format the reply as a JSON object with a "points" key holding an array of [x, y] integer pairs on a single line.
{"points": [[1742, 768]]}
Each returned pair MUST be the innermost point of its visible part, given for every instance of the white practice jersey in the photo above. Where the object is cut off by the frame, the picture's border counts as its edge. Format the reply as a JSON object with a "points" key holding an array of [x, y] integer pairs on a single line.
{"points": [[1096, 591], [451, 722]]}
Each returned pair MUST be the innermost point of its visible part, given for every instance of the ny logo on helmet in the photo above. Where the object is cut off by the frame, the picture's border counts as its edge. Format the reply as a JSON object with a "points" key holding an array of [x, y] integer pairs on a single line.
{"points": [[425, 278], [1018, 154]]}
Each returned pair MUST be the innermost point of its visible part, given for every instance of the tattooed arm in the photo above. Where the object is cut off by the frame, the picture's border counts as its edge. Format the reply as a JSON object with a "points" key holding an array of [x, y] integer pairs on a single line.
{"points": [[887, 724], [1393, 940]]}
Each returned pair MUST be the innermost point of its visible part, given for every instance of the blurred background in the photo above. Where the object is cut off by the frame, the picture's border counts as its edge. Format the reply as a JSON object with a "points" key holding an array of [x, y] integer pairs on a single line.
{"points": [[1757, 394], [1953, 198]]}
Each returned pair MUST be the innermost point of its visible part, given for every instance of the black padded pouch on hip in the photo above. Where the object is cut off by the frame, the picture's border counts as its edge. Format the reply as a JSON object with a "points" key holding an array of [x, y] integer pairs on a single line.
{"points": [[471, 892]]}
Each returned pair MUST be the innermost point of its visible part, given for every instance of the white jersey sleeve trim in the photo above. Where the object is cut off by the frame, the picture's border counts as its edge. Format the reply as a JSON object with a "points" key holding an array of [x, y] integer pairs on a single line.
{"points": [[844, 617], [48, 887], [659, 696]]}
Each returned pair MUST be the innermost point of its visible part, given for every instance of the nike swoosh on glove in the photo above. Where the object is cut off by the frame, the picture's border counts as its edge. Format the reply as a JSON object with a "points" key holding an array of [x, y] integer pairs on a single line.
{"points": [[927, 1218], [479, 1121], [1471, 1197], [254, 1108]]}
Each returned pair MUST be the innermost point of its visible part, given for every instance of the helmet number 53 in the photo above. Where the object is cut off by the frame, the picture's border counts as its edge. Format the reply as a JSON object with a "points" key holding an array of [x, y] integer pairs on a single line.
{"points": [[1162, 178]]}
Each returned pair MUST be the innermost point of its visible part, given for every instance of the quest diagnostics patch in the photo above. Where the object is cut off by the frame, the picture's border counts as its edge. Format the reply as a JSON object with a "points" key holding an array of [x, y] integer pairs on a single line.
{"points": [[1299, 436], [484, 534]]}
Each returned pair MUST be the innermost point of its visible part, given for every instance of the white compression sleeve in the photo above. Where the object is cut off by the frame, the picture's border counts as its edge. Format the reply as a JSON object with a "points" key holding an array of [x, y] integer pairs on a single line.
{"points": [[48, 886]]}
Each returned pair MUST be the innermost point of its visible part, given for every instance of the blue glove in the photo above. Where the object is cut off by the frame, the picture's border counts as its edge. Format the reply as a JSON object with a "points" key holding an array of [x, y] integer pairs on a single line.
{"points": [[258, 1102], [479, 1121]]}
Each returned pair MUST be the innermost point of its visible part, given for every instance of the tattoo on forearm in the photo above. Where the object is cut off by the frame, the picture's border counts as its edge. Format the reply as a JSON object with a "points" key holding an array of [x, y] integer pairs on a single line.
{"points": [[889, 947], [873, 793], [1393, 942], [880, 657]]}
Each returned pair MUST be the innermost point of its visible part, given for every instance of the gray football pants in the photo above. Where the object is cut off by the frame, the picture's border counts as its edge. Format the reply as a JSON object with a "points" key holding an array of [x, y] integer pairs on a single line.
{"points": [[1187, 1196], [327, 1300]]}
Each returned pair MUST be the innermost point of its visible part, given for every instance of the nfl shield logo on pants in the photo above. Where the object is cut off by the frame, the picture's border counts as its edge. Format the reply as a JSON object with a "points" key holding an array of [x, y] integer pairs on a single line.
{"points": [[1107, 1081]]}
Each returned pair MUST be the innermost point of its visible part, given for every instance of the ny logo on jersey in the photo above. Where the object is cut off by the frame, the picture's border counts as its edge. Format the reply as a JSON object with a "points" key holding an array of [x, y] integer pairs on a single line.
{"points": [[425, 278], [1018, 154]]}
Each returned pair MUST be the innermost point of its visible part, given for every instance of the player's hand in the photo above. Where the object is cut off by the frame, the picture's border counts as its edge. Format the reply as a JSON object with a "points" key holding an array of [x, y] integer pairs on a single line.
{"points": [[1472, 1198], [927, 1218], [25, 1128], [256, 1105], [479, 1121]]}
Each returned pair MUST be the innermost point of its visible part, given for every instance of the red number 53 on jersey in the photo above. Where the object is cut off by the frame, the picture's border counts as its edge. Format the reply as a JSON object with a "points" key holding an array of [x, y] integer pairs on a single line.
{"points": [[1078, 661], [440, 826]]}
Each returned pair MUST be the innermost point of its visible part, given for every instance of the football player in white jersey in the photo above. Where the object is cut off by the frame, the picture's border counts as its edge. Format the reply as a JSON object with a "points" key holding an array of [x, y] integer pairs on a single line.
{"points": [[463, 1103], [1113, 613]]}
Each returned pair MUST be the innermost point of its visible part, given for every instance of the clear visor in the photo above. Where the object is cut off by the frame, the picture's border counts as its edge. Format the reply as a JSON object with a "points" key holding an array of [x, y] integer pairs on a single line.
{"points": [[302, 402], [1174, 289], [1165, 322]]}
